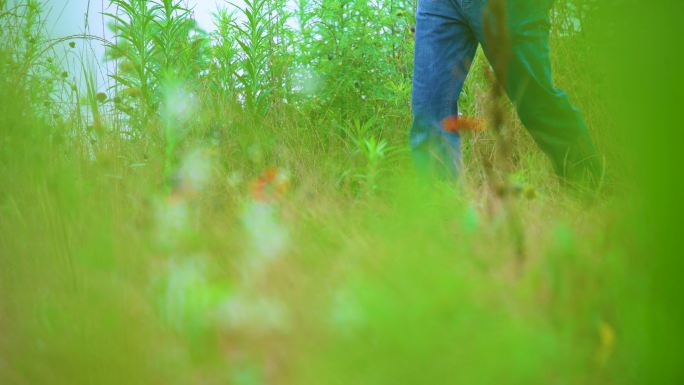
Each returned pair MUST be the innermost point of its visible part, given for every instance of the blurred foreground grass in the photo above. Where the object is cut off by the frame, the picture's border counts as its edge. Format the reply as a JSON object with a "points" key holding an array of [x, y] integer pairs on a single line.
{"points": [[281, 249]]}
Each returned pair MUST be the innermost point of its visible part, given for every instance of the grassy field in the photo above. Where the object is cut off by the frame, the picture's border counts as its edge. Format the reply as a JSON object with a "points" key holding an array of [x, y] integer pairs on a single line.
{"points": [[240, 207]]}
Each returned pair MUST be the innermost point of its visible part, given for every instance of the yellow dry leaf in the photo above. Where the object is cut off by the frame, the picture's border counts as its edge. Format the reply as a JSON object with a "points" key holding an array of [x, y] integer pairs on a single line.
{"points": [[606, 346]]}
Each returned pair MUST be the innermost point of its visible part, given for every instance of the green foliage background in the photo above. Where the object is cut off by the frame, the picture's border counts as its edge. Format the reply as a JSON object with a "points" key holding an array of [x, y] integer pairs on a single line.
{"points": [[240, 207]]}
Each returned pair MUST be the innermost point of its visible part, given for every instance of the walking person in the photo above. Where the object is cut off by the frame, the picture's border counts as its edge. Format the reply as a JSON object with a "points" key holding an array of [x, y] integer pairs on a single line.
{"points": [[448, 33]]}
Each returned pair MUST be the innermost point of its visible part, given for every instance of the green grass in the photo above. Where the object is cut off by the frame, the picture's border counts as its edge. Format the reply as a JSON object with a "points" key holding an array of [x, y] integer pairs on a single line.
{"points": [[209, 221]]}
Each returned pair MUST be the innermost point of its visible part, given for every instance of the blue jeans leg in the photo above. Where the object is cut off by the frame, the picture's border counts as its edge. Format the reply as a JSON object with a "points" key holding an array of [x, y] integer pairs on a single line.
{"points": [[553, 122], [445, 48]]}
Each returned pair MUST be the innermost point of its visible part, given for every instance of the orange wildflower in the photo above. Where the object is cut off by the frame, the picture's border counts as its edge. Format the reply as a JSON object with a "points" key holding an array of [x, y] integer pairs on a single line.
{"points": [[270, 185], [456, 123]]}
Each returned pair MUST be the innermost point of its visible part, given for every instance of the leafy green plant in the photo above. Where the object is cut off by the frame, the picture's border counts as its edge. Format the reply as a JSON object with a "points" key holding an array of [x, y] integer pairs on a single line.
{"points": [[373, 151], [252, 35], [353, 45], [156, 42], [222, 73], [134, 51]]}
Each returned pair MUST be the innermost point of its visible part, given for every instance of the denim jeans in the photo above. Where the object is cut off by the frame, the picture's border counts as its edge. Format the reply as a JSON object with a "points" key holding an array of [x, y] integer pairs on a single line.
{"points": [[448, 33]]}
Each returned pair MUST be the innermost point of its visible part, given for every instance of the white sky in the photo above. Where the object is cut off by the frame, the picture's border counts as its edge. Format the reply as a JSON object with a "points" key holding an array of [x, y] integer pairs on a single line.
{"points": [[68, 17]]}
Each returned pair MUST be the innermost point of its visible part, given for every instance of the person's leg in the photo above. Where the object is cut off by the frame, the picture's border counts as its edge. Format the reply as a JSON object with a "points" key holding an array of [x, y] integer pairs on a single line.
{"points": [[554, 123], [445, 47]]}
